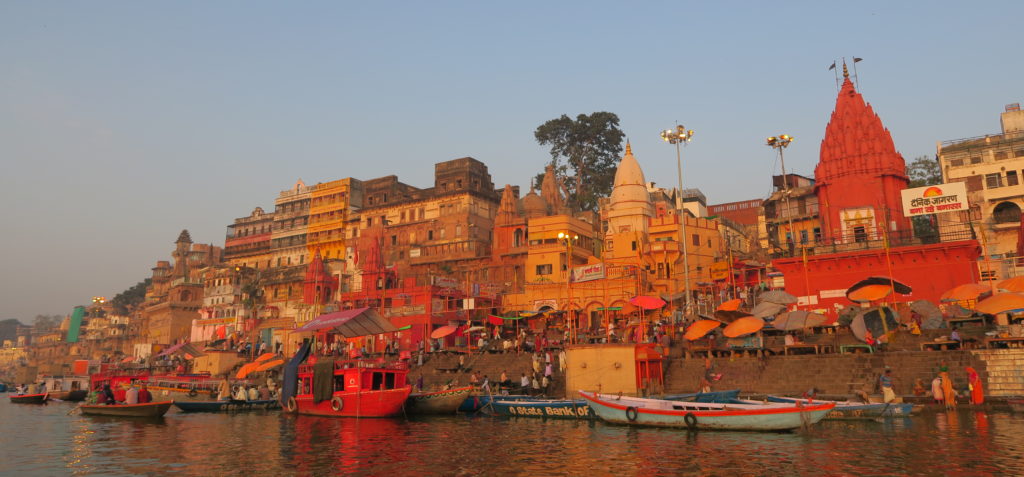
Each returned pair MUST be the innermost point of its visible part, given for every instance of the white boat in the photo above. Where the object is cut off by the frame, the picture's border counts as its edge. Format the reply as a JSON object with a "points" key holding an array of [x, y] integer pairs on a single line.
{"points": [[690, 415]]}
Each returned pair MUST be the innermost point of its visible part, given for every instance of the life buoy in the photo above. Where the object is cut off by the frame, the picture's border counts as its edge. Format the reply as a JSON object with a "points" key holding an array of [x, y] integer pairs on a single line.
{"points": [[691, 420], [291, 406], [192, 392], [337, 404], [631, 413]]}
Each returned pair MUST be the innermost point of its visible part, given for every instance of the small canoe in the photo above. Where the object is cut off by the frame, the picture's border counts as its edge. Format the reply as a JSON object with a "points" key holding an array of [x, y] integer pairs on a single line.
{"points": [[716, 416], [226, 406], [846, 410], [30, 398], [476, 402], [447, 401], [76, 395], [149, 409], [543, 408]]}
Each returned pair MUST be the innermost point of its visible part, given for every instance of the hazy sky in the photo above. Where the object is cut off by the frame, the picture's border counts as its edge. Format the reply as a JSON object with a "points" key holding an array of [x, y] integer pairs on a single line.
{"points": [[122, 123]]}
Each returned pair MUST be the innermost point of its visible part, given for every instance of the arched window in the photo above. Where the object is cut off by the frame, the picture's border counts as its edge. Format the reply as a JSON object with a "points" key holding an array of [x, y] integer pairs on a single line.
{"points": [[517, 238], [1006, 212]]}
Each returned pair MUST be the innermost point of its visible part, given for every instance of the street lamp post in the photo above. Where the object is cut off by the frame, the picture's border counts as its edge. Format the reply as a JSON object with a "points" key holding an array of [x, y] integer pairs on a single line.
{"points": [[680, 136], [780, 143], [569, 238]]}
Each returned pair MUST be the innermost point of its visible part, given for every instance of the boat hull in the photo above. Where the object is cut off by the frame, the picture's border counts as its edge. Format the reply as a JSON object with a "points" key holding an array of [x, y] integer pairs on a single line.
{"points": [[30, 398], [76, 395], [382, 403], [150, 409], [440, 402], [542, 408], [768, 417], [226, 406], [846, 410], [476, 402]]}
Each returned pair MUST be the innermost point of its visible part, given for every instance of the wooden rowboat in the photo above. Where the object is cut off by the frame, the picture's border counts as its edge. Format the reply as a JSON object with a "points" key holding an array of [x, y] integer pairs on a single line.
{"points": [[149, 409], [687, 415], [76, 395], [439, 402], [855, 410], [578, 408], [232, 405], [30, 398]]}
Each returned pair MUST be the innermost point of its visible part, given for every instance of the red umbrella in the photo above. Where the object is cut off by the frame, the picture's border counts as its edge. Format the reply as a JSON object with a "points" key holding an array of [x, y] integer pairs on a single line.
{"points": [[443, 331], [731, 305], [647, 302], [743, 326]]}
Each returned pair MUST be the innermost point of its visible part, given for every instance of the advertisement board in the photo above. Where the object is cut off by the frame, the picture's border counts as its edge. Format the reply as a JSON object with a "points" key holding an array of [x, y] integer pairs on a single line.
{"points": [[935, 199]]}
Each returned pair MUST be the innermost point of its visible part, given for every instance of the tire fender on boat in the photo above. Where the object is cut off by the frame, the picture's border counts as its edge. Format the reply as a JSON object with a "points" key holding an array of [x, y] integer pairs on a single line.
{"points": [[337, 404], [631, 413], [192, 392], [291, 405], [691, 420]]}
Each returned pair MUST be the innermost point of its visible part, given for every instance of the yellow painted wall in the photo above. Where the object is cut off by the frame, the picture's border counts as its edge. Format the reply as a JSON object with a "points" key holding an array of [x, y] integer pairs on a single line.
{"points": [[216, 362], [607, 368]]}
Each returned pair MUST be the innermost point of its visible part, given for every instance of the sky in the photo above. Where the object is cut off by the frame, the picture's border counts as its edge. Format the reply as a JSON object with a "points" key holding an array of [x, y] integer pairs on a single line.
{"points": [[122, 123]]}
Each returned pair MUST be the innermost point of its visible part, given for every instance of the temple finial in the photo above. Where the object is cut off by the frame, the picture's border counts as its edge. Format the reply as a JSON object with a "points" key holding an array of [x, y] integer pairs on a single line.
{"points": [[846, 72], [629, 150]]}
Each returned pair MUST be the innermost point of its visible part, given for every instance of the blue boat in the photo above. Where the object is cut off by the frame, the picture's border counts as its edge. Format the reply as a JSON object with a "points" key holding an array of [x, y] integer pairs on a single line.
{"points": [[578, 408], [226, 406], [847, 410], [476, 402]]}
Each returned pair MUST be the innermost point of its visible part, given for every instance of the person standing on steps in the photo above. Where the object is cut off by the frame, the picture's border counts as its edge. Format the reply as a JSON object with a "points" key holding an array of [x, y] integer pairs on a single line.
{"points": [[885, 382]]}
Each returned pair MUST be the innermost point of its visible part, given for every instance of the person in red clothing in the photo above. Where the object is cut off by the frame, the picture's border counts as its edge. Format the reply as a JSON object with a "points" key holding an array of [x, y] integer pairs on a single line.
{"points": [[144, 395]]}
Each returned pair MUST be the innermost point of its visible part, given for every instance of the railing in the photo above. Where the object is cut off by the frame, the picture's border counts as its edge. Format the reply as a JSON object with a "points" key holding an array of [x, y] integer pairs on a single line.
{"points": [[868, 240]]}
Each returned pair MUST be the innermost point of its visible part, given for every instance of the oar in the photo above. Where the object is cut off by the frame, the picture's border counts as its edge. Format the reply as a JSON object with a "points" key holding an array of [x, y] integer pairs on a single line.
{"points": [[74, 409]]}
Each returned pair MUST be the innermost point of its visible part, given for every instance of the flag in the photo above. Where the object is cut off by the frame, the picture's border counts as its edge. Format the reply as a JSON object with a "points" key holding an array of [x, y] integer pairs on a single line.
{"points": [[830, 68], [856, 60]]}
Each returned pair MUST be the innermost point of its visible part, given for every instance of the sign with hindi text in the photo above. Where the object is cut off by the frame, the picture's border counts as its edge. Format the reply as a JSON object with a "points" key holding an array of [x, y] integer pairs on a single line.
{"points": [[951, 197], [587, 273]]}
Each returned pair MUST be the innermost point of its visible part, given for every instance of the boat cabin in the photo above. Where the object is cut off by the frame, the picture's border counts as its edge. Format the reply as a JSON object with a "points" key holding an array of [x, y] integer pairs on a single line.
{"points": [[355, 376]]}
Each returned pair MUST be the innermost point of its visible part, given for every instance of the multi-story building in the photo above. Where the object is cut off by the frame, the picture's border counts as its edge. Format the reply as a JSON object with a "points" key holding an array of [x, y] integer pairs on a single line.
{"points": [[331, 209], [248, 240], [175, 296], [744, 212], [992, 167], [791, 215], [291, 222]]}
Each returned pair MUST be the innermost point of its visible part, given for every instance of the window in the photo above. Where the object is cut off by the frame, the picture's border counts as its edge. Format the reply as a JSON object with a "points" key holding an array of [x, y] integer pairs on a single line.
{"points": [[442, 232], [803, 236], [544, 269], [430, 235], [634, 245], [458, 230], [369, 222], [394, 240], [860, 234], [1011, 178], [976, 160], [1006, 212], [993, 181], [696, 240], [817, 234], [1001, 155]]}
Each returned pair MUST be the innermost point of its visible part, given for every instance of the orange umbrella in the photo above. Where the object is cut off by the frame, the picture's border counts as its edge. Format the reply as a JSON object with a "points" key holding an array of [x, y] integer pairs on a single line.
{"points": [[270, 364], [699, 329], [743, 326], [1015, 284], [967, 291], [1001, 303], [647, 302], [869, 293], [443, 331], [263, 357], [246, 369], [731, 305]]}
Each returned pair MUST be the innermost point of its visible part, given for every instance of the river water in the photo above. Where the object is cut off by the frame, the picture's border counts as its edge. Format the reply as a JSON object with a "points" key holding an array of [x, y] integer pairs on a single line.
{"points": [[45, 440]]}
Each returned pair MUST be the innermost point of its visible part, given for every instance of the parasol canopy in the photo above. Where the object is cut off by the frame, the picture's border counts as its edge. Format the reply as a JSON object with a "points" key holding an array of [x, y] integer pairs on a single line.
{"points": [[354, 323], [778, 297], [731, 305], [647, 302], [263, 357], [270, 364], [442, 331], [743, 326], [967, 291], [699, 329], [931, 315], [1000, 303], [726, 315], [766, 309], [872, 319], [1015, 284], [246, 369], [798, 319], [875, 288]]}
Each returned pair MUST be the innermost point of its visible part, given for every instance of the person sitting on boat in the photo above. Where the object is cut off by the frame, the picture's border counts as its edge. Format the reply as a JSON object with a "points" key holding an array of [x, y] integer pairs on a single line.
{"points": [[106, 396], [474, 379], [240, 394], [264, 393], [524, 383], [505, 381], [486, 384], [131, 396], [536, 385], [224, 390], [254, 394], [144, 395]]}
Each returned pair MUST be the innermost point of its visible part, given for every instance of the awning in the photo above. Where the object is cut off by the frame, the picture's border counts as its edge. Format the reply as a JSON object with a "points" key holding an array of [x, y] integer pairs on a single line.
{"points": [[185, 348], [351, 323]]}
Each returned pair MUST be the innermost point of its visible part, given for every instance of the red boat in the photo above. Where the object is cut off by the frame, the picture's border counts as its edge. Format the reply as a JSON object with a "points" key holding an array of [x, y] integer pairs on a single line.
{"points": [[30, 398], [357, 388]]}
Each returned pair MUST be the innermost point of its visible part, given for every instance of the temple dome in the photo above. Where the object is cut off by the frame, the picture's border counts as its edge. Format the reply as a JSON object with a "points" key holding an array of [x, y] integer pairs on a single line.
{"points": [[630, 185], [534, 205]]}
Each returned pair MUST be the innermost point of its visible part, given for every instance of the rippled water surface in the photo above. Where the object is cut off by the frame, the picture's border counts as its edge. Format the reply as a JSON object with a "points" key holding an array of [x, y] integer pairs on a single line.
{"points": [[45, 440]]}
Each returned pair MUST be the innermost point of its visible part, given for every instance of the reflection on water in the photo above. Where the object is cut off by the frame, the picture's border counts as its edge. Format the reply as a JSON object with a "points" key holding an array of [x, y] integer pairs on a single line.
{"points": [[45, 440]]}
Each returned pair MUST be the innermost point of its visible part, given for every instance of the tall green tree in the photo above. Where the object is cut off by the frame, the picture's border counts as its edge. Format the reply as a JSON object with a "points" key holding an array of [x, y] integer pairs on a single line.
{"points": [[585, 149], [127, 300], [47, 322], [924, 171]]}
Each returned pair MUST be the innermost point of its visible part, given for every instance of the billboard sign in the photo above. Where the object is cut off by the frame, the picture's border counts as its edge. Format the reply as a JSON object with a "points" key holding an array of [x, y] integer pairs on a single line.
{"points": [[587, 273], [951, 197]]}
